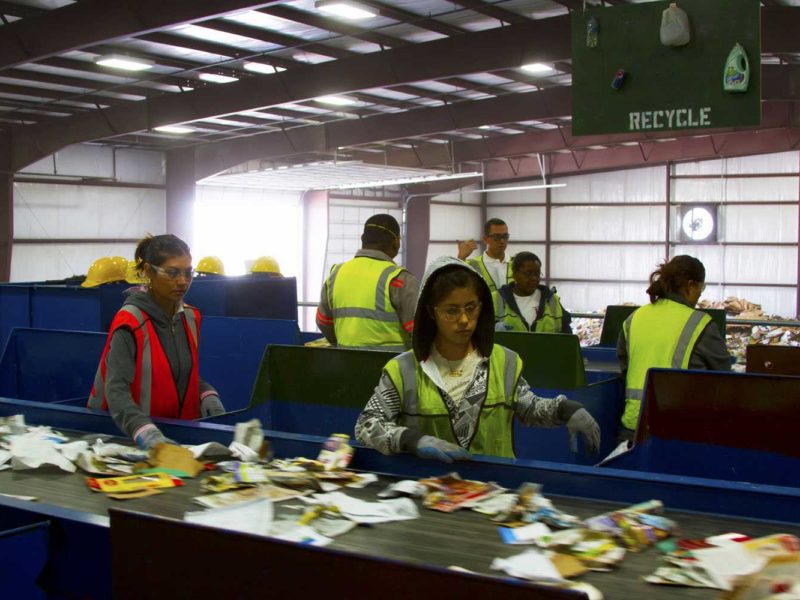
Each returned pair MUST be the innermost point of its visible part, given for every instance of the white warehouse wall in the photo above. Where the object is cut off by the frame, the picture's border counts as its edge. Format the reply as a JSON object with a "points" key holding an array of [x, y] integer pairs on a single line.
{"points": [[68, 211]]}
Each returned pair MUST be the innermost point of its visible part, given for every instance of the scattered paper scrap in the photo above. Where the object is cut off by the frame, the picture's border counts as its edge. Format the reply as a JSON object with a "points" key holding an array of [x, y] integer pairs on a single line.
{"points": [[249, 517]]}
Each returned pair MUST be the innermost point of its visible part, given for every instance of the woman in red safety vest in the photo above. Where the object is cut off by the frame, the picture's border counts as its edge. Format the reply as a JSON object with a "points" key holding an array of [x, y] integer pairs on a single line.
{"points": [[149, 367]]}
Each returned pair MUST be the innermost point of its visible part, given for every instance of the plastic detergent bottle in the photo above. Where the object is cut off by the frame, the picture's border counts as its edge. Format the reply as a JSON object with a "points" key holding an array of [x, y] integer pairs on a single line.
{"points": [[592, 31], [736, 76]]}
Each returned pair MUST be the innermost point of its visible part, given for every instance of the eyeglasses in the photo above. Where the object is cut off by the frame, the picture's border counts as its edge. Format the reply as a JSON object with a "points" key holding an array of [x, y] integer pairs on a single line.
{"points": [[453, 313], [530, 274], [498, 237], [173, 273]]}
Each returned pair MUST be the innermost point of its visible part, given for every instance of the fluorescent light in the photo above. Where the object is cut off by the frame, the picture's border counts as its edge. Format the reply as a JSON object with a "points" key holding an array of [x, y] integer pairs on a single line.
{"points": [[517, 188], [216, 78], [336, 100], [257, 67], [536, 68], [388, 182], [126, 63], [173, 129], [345, 9]]}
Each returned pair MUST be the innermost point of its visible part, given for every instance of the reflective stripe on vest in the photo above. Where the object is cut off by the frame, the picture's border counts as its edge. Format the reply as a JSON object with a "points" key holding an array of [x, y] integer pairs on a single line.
{"points": [[362, 312], [153, 387], [480, 267], [423, 409], [660, 335], [551, 320]]}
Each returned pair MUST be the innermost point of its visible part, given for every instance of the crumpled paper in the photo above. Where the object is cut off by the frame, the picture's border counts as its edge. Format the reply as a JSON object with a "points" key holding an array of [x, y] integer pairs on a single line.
{"points": [[32, 450]]}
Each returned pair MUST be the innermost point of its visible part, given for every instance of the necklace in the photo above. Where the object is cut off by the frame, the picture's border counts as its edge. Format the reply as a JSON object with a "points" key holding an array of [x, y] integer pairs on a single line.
{"points": [[456, 370], [457, 366]]}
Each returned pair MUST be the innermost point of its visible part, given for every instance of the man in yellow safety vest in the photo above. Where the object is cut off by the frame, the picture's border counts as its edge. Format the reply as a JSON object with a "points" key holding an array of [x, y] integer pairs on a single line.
{"points": [[369, 301]]}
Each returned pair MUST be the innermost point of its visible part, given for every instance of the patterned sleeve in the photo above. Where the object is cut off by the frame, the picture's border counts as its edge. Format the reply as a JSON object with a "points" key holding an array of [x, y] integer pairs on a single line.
{"points": [[533, 410], [377, 424]]}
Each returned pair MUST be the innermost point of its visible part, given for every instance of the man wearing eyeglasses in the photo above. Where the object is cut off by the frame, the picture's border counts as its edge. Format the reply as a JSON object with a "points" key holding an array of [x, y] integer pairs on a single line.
{"points": [[493, 265], [369, 301]]}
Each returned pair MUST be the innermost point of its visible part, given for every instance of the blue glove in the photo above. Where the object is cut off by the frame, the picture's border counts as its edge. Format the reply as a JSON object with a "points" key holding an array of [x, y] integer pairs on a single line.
{"points": [[582, 422], [435, 449]]}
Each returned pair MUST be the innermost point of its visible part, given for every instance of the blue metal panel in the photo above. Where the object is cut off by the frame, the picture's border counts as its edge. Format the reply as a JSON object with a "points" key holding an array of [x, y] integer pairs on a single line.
{"points": [[67, 553], [24, 552], [602, 398], [63, 307], [738, 427], [312, 419], [46, 366], [231, 350], [15, 309], [248, 296]]}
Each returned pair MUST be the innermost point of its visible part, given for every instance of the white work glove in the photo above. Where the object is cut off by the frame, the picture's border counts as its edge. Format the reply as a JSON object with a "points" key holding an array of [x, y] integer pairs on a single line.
{"points": [[582, 422]]}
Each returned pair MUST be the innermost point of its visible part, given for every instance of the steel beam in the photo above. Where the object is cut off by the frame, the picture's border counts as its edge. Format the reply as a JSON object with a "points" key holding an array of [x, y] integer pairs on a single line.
{"points": [[93, 21], [740, 143], [543, 41], [547, 104]]}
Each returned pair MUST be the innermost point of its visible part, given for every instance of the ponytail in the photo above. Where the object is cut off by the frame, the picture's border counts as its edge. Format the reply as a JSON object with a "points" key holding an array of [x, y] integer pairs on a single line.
{"points": [[671, 277], [155, 249]]}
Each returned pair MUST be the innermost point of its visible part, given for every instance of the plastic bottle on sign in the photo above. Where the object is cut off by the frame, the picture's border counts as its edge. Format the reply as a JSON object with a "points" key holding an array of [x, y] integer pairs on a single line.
{"points": [[592, 32]]}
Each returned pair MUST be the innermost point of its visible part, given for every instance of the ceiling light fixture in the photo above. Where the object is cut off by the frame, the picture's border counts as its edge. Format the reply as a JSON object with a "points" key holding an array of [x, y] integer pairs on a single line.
{"points": [[173, 129], [517, 188], [536, 68], [257, 67], [126, 63], [216, 78], [336, 100], [345, 9], [418, 179]]}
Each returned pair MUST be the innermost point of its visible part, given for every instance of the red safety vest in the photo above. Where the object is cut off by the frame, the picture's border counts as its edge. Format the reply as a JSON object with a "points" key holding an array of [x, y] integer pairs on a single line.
{"points": [[153, 387]]}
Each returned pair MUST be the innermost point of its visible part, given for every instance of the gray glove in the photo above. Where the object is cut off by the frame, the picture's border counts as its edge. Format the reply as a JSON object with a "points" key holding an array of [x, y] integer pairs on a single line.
{"points": [[433, 448], [211, 406], [582, 422], [151, 437]]}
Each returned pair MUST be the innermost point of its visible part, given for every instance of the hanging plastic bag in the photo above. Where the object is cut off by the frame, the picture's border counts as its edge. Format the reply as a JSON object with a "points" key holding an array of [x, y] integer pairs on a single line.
{"points": [[675, 26]]}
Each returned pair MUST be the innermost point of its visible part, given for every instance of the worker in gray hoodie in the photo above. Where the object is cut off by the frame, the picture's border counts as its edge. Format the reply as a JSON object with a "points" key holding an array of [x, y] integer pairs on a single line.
{"points": [[149, 367], [456, 392]]}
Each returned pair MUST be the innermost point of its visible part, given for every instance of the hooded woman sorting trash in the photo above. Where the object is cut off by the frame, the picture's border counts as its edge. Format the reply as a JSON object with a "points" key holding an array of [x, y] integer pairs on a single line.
{"points": [[456, 392]]}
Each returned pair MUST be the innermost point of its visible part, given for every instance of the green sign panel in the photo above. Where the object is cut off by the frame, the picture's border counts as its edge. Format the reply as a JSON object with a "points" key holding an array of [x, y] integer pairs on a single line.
{"points": [[625, 80]]}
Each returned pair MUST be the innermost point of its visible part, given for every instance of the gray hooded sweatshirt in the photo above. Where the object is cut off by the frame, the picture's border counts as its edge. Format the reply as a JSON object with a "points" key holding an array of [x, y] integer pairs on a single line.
{"points": [[121, 364], [378, 424]]}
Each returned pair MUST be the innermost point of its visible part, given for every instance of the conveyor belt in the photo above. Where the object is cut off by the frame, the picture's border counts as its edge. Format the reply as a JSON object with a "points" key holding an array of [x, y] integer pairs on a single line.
{"points": [[465, 538]]}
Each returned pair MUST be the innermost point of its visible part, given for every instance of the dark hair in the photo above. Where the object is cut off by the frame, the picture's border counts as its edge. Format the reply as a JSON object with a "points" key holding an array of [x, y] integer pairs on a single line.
{"points": [[522, 258], [155, 249], [441, 283], [380, 231], [672, 276], [488, 225], [451, 278]]}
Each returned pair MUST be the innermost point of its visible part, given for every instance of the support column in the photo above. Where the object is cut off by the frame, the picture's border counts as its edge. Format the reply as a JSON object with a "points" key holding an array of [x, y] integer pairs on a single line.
{"points": [[6, 224], [180, 193], [418, 227]]}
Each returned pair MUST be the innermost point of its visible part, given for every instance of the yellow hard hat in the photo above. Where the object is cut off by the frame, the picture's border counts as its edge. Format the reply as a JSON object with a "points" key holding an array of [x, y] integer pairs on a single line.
{"points": [[132, 274], [121, 263], [265, 264], [210, 264], [105, 270]]}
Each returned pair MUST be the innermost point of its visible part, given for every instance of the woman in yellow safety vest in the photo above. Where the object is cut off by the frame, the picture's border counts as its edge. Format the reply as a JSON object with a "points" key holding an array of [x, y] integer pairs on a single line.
{"points": [[668, 333], [526, 305], [456, 392]]}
